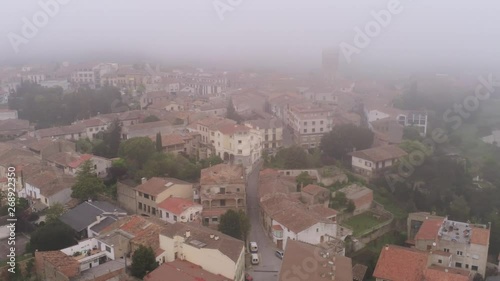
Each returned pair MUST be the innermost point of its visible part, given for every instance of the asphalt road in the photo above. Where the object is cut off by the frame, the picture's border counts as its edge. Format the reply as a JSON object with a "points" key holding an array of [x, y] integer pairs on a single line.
{"points": [[269, 266]]}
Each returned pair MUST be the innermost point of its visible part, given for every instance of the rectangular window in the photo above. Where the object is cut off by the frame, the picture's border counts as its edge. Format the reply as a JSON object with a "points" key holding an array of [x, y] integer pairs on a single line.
{"points": [[474, 268], [305, 123], [305, 130], [175, 218], [313, 130], [458, 264], [239, 141], [440, 261], [321, 122], [460, 253], [321, 129], [215, 219], [223, 203], [154, 211], [240, 151], [446, 250], [108, 249], [140, 206], [146, 196], [167, 215]]}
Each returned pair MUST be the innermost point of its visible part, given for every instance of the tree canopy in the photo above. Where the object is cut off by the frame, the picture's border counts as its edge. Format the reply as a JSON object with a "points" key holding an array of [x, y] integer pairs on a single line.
{"points": [[87, 185], [232, 114], [150, 118], [54, 212], [110, 141], [50, 237], [344, 139], [143, 261], [235, 224], [137, 151], [48, 107]]}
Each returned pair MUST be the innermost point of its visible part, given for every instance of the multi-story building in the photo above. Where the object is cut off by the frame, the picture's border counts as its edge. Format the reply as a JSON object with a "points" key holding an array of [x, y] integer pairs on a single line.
{"points": [[222, 187], [372, 161], [85, 75], [213, 251], [310, 122], [174, 210], [416, 119], [238, 144], [459, 244], [8, 114], [153, 191], [271, 131]]}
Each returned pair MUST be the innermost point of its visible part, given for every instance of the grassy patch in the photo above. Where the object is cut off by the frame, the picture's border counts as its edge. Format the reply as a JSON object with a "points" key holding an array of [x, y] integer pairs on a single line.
{"points": [[390, 204], [363, 222]]}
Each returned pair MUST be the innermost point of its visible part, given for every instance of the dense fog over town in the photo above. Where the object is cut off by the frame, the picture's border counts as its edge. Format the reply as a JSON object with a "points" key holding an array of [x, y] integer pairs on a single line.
{"points": [[238, 140], [269, 34]]}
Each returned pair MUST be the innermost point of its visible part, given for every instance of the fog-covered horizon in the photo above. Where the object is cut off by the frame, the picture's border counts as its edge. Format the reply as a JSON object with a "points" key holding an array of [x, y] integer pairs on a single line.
{"points": [[279, 34]]}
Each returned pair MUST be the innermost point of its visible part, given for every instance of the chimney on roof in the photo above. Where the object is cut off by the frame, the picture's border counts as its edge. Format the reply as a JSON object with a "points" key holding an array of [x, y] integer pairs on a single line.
{"points": [[216, 237], [143, 180], [188, 233], [386, 247], [212, 236]]}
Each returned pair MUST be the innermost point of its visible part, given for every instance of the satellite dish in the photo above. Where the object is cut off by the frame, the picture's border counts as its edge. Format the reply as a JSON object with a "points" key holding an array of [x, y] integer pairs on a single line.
{"points": [[434, 244]]}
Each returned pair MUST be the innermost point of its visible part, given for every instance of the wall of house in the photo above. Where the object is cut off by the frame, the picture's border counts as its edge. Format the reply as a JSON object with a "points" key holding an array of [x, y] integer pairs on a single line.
{"points": [[32, 191], [184, 217], [314, 233], [101, 165], [363, 164], [126, 196], [63, 197], [177, 190]]}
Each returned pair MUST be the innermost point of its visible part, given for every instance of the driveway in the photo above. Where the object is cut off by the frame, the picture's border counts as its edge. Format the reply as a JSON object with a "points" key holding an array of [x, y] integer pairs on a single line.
{"points": [[269, 266]]}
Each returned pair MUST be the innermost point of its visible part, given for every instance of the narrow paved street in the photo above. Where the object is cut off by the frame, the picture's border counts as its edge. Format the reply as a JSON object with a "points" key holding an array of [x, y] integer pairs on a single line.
{"points": [[269, 266]]}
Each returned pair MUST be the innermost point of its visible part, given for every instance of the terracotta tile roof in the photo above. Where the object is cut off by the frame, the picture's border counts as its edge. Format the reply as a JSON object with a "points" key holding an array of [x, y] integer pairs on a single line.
{"points": [[323, 211], [92, 122], [277, 227], [14, 125], [229, 129], [397, 263], [438, 273], [223, 173], [155, 185], [79, 161], [429, 229], [313, 189], [176, 205], [148, 126], [298, 252], [380, 153], [480, 236], [290, 212], [227, 245], [61, 261], [271, 181], [63, 158], [170, 139], [60, 131], [182, 270]]}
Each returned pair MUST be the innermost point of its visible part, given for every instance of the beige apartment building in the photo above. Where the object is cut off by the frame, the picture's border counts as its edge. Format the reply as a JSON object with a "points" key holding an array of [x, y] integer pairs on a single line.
{"points": [[222, 187], [144, 198], [310, 122], [271, 131]]}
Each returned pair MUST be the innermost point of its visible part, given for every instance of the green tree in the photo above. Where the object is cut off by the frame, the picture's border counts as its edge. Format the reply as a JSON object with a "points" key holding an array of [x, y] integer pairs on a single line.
{"points": [[230, 224], [143, 261], [294, 157], [87, 184], [350, 207], [339, 200], [137, 151], [84, 146], [50, 237], [303, 179], [54, 212], [245, 225], [411, 133], [110, 143], [159, 145], [211, 161], [150, 118], [459, 209], [344, 139]]}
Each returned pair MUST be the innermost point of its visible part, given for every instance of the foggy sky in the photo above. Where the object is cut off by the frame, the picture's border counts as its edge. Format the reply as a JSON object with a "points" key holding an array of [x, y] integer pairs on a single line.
{"points": [[288, 34]]}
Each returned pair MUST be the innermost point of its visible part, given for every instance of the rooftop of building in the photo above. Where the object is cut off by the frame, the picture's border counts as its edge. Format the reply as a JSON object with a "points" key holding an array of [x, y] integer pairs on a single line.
{"points": [[156, 185], [380, 153], [329, 267], [355, 191], [223, 174], [177, 205], [182, 270], [401, 264], [200, 236]]}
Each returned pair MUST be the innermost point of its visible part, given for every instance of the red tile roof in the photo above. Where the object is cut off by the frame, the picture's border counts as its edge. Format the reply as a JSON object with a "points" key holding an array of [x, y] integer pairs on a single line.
{"points": [[155, 186], [223, 173], [437, 273], [480, 236], [182, 270], [229, 129], [76, 163], [400, 264], [177, 205], [313, 189], [429, 229]]}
